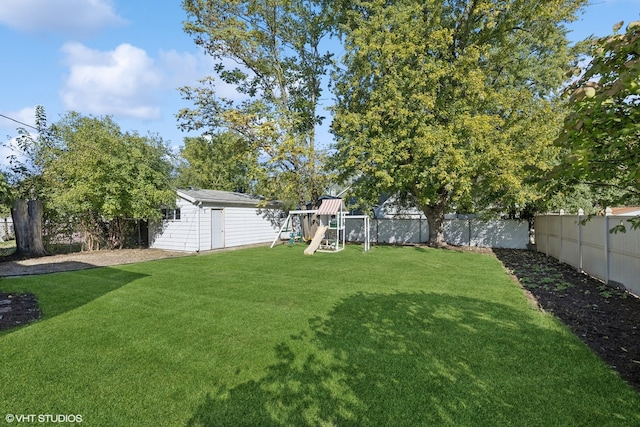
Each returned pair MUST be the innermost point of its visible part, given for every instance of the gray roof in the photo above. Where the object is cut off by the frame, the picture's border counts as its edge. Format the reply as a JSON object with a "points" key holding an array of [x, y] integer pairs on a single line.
{"points": [[223, 198]]}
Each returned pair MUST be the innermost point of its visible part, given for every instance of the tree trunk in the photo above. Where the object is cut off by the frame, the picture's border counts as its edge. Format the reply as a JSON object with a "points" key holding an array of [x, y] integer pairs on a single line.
{"points": [[27, 223], [435, 219], [117, 233]]}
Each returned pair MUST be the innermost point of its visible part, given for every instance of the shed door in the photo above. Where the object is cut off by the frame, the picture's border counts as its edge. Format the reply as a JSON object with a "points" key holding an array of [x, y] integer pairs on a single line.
{"points": [[217, 229]]}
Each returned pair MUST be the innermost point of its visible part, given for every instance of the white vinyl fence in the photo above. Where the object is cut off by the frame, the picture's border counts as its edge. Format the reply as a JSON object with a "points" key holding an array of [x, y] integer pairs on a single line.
{"points": [[460, 232], [613, 258]]}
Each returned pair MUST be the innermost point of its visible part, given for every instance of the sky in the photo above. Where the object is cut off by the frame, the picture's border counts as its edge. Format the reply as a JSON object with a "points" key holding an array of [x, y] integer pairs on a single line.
{"points": [[126, 59]]}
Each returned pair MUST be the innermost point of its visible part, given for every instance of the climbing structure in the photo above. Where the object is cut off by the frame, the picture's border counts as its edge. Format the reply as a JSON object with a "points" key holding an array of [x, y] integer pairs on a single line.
{"points": [[324, 227], [331, 214]]}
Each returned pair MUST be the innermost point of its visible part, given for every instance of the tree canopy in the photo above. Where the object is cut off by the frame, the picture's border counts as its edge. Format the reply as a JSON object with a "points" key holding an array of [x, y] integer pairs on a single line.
{"points": [[31, 154], [221, 161], [602, 133], [98, 173], [449, 104], [85, 172], [270, 53], [28, 193]]}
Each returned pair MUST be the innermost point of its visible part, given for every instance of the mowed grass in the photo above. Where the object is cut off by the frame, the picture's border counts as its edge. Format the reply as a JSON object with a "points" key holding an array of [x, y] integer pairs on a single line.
{"points": [[260, 337]]}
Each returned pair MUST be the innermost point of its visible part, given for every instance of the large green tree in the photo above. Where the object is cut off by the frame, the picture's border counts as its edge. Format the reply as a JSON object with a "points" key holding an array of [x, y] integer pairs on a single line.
{"points": [[31, 151], [220, 161], [28, 192], [100, 177], [602, 133], [449, 103], [270, 53]]}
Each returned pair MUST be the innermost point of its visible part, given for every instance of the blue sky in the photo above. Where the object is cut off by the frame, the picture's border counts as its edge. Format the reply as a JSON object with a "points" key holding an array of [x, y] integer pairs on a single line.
{"points": [[126, 59]]}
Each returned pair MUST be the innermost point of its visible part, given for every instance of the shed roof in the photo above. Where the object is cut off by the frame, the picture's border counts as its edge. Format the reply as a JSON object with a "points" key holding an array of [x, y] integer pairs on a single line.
{"points": [[331, 207], [228, 198]]}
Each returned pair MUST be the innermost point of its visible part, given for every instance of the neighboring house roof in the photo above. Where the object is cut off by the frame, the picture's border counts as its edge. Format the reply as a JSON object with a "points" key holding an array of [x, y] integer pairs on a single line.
{"points": [[629, 210], [392, 207], [222, 198]]}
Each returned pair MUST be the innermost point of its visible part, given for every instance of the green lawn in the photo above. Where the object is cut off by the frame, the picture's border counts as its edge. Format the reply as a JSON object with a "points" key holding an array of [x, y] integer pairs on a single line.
{"points": [[7, 248], [259, 337]]}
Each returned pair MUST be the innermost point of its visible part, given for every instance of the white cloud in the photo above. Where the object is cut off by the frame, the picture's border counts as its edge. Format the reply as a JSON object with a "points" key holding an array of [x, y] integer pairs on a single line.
{"points": [[9, 131], [128, 83], [186, 69], [183, 68], [69, 17], [123, 82], [10, 149]]}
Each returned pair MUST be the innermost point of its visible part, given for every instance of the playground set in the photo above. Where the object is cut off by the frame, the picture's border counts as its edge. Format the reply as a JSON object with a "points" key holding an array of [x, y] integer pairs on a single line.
{"points": [[323, 227]]}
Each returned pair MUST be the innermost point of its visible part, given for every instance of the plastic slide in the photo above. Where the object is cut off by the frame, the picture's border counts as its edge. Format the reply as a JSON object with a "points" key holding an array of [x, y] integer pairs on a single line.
{"points": [[316, 241]]}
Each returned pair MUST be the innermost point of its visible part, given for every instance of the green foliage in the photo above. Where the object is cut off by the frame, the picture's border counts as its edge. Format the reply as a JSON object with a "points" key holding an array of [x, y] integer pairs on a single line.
{"points": [[6, 195], [223, 161], [277, 76], [602, 133], [564, 194], [99, 173], [606, 291], [89, 174], [450, 104], [31, 154]]}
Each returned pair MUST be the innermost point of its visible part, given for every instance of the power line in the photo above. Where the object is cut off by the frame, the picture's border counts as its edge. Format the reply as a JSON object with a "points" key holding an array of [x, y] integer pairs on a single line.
{"points": [[19, 122]]}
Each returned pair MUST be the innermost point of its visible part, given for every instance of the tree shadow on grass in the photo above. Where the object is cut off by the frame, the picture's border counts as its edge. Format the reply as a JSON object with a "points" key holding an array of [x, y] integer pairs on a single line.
{"points": [[59, 293], [407, 360], [11, 269]]}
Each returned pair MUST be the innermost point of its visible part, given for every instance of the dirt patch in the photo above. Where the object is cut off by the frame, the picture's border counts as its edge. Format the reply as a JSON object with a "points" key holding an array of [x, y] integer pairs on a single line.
{"points": [[605, 318], [12, 266], [18, 309]]}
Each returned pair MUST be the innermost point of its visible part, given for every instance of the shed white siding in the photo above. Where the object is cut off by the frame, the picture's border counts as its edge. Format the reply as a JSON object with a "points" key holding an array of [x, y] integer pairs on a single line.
{"points": [[247, 226], [177, 235], [241, 225]]}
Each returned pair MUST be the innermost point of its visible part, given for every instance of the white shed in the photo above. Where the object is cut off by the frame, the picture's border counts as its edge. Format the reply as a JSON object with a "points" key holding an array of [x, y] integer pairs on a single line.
{"points": [[212, 219]]}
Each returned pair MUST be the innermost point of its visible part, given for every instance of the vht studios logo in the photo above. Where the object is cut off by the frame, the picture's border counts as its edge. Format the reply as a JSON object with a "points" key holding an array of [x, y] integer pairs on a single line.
{"points": [[43, 418]]}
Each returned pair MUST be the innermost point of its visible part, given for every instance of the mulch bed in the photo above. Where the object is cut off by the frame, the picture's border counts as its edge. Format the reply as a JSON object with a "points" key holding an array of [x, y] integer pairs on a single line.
{"points": [[607, 319], [18, 309]]}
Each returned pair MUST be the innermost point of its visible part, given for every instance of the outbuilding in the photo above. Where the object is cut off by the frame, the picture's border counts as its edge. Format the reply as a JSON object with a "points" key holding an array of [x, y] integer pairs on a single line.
{"points": [[212, 219]]}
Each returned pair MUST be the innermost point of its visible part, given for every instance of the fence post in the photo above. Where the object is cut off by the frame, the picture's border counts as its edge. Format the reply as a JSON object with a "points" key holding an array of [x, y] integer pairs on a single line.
{"points": [[546, 250], [607, 214], [580, 213], [561, 234]]}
